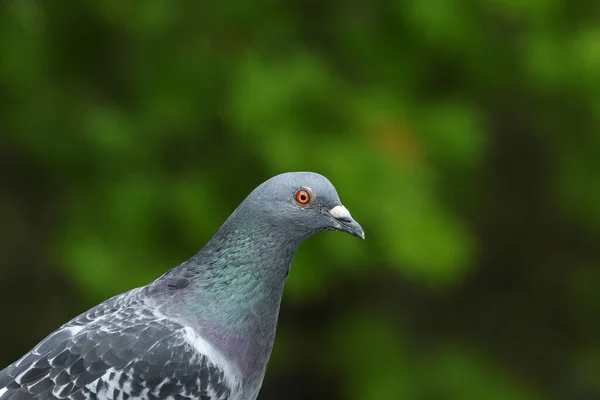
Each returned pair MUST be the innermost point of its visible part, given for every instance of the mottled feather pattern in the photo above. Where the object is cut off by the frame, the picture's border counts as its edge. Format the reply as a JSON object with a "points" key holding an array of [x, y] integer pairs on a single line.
{"points": [[118, 350]]}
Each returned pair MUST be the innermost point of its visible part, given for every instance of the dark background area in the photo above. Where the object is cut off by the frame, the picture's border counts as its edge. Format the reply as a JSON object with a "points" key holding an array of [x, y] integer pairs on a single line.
{"points": [[464, 136]]}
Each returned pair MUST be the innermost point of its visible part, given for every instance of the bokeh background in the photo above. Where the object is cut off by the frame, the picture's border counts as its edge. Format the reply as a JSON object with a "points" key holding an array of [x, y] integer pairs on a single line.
{"points": [[464, 136]]}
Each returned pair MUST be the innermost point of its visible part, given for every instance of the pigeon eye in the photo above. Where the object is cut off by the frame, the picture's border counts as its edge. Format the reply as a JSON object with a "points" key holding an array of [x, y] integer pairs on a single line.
{"points": [[302, 196]]}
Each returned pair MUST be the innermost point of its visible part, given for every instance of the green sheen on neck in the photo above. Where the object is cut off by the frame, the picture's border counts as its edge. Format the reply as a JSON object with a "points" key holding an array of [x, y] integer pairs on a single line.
{"points": [[239, 277]]}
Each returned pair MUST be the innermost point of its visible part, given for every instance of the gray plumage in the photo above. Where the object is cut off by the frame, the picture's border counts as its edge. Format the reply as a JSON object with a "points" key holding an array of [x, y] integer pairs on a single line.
{"points": [[205, 329]]}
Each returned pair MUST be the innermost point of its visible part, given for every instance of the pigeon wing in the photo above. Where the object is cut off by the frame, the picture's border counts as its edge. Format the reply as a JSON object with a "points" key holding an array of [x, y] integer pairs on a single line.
{"points": [[116, 351]]}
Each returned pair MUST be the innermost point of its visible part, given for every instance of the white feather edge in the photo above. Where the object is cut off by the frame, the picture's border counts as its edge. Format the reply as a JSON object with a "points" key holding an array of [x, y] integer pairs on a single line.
{"points": [[230, 371]]}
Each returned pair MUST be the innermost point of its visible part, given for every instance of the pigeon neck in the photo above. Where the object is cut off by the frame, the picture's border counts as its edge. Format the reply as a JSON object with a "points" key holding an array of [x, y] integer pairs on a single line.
{"points": [[239, 277], [246, 265]]}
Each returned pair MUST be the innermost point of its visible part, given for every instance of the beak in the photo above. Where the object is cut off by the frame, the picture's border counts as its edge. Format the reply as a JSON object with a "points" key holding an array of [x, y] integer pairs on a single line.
{"points": [[344, 222]]}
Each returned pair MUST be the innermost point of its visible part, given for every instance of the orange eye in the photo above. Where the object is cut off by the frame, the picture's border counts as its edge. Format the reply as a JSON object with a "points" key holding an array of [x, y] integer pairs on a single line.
{"points": [[302, 196]]}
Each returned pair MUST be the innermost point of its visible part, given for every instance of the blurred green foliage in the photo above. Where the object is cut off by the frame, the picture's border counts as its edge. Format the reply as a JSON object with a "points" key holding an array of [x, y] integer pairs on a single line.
{"points": [[463, 135]]}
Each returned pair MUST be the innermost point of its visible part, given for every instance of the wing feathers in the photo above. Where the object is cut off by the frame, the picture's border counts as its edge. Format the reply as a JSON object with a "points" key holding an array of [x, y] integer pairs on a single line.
{"points": [[116, 351]]}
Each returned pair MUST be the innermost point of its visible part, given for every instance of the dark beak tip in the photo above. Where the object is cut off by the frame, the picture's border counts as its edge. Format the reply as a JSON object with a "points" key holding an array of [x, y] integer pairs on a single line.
{"points": [[360, 234], [354, 229]]}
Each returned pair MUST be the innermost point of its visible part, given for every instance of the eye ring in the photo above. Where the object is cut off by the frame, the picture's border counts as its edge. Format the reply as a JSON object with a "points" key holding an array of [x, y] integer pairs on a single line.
{"points": [[302, 196]]}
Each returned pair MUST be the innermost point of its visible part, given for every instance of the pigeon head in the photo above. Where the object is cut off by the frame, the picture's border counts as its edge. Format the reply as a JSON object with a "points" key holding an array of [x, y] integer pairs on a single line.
{"points": [[300, 204]]}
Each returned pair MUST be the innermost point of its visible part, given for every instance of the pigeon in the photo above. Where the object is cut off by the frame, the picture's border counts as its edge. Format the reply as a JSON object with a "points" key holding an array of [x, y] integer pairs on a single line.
{"points": [[205, 329]]}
